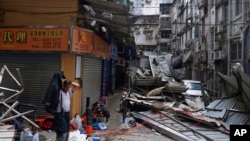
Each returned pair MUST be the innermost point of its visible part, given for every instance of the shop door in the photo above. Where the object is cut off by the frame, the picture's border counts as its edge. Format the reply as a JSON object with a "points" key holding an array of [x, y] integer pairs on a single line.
{"points": [[91, 80]]}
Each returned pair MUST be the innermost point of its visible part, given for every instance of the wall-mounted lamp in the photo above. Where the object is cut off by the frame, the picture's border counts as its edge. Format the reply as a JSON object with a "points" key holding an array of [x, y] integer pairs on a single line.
{"points": [[104, 29], [89, 9], [93, 23]]}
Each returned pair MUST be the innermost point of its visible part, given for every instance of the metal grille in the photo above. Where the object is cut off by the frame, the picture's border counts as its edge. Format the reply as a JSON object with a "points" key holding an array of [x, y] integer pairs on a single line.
{"points": [[91, 80]]}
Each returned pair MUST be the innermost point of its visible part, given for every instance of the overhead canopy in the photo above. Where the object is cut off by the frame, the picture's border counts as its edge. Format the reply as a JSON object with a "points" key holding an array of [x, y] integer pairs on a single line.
{"points": [[119, 23]]}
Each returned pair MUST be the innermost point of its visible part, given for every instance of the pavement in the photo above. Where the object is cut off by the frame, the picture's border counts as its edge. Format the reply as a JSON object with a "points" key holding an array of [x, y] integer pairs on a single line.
{"points": [[116, 129]]}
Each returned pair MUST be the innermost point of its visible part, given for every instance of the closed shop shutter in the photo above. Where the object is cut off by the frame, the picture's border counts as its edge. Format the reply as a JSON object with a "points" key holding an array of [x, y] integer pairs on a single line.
{"points": [[36, 71], [91, 80]]}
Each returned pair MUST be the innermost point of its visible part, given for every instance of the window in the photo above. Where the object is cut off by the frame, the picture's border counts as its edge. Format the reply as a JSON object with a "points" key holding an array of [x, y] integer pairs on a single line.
{"points": [[196, 32], [165, 21], [225, 12], [194, 86], [165, 33], [165, 8], [165, 47], [212, 39], [238, 7], [236, 50]]}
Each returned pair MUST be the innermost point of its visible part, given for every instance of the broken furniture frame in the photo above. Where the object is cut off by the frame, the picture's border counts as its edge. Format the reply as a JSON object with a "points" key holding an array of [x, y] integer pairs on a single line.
{"points": [[11, 113]]}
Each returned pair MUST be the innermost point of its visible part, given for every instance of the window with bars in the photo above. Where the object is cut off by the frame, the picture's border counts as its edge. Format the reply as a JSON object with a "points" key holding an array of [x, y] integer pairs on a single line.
{"points": [[236, 51]]}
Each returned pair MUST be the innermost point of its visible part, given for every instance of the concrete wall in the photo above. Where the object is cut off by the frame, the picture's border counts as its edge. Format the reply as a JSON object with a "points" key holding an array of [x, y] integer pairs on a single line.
{"points": [[46, 12]]}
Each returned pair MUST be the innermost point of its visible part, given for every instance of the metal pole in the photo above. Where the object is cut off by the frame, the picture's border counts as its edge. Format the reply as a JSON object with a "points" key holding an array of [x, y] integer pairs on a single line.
{"points": [[24, 117]]}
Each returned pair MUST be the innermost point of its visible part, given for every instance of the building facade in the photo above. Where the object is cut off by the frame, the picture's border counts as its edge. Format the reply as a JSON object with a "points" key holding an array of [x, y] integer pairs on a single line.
{"points": [[151, 27], [43, 37], [216, 32]]}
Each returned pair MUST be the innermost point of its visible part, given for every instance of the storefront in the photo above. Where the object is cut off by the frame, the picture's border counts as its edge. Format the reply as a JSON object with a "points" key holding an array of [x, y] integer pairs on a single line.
{"points": [[30, 50], [40, 52], [92, 54]]}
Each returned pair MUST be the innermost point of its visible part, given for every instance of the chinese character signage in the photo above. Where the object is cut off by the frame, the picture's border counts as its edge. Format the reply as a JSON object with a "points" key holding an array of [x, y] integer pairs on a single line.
{"points": [[114, 50], [101, 48], [34, 39], [81, 41], [130, 51]]}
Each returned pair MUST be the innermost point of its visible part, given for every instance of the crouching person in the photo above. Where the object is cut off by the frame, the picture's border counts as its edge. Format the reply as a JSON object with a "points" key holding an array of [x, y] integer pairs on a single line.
{"points": [[99, 112]]}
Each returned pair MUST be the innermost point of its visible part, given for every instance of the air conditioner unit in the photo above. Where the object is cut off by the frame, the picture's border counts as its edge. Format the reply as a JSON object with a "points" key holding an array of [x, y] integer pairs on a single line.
{"points": [[216, 47], [218, 55], [219, 29]]}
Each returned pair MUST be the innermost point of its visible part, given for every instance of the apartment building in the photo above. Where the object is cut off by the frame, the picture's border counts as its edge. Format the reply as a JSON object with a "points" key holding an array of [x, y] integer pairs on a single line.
{"points": [[216, 32], [151, 27]]}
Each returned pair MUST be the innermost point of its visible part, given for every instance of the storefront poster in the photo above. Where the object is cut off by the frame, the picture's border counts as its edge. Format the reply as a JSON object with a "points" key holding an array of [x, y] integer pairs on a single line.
{"points": [[81, 41], [34, 39]]}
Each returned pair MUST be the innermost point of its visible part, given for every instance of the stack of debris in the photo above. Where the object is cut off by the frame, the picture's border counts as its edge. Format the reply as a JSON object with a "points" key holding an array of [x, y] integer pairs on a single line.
{"points": [[176, 119]]}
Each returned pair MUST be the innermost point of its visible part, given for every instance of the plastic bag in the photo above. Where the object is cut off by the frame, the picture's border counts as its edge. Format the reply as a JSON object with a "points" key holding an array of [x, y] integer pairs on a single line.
{"points": [[78, 121]]}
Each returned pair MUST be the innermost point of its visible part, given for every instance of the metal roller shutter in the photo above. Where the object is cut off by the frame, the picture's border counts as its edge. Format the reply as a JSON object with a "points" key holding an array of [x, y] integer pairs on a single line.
{"points": [[36, 70], [91, 80]]}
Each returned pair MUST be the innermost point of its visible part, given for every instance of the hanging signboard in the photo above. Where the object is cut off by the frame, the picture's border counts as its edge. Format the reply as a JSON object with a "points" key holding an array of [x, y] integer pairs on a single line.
{"points": [[114, 49], [34, 39], [101, 48], [81, 40]]}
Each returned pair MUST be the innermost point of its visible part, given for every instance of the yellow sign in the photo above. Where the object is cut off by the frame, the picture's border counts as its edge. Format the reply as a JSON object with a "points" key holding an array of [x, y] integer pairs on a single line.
{"points": [[101, 48], [82, 41]]}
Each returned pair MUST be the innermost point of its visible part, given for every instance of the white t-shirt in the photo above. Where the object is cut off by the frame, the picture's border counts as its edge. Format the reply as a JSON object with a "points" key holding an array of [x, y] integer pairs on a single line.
{"points": [[65, 97]]}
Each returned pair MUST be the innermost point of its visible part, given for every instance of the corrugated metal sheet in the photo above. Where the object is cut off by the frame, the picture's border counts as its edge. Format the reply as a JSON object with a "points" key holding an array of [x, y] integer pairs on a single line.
{"points": [[227, 103], [170, 125], [229, 110]]}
